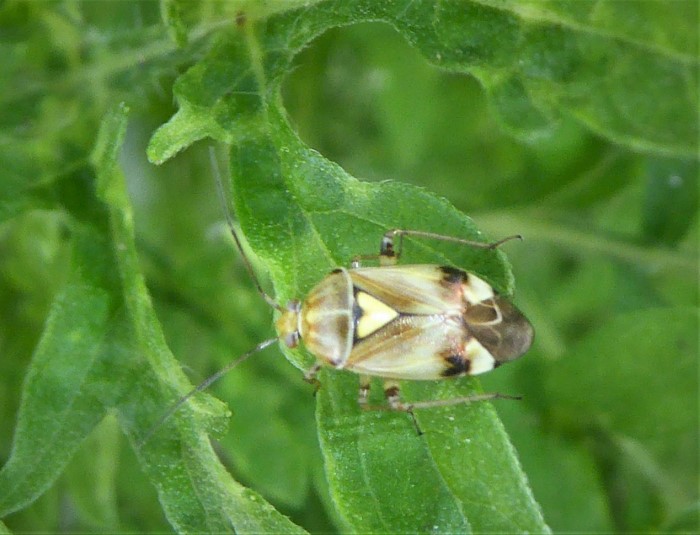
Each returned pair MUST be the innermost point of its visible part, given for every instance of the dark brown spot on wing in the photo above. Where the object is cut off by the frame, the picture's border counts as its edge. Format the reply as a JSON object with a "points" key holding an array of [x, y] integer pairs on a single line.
{"points": [[452, 275], [456, 365]]}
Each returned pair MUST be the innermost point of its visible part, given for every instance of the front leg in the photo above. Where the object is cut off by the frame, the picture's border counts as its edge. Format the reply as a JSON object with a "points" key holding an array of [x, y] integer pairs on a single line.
{"points": [[310, 376], [363, 394], [392, 392]]}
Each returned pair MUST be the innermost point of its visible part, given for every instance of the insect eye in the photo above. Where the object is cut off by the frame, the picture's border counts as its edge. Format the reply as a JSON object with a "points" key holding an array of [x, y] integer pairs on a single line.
{"points": [[291, 339]]}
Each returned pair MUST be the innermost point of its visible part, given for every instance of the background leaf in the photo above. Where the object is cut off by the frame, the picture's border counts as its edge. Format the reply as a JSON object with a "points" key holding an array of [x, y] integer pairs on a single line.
{"points": [[566, 122], [196, 493], [656, 435], [56, 406], [671, 199], [87, 362]]}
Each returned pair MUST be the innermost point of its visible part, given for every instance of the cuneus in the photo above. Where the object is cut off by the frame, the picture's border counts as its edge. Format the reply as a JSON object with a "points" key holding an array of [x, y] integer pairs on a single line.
{"points": [[396, 322]]}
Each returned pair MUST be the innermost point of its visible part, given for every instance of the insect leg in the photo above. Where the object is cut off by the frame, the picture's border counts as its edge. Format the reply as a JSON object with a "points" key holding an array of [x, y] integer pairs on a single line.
{"points": [[391, 390], [452, 401], [393, 398], [363, 394], [389, 253], [310, 376], [385, 259], [356, 261]]}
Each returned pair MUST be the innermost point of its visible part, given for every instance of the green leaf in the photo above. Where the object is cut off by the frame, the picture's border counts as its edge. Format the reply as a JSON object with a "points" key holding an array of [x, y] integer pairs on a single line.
{"points": [[571, 119], [648, 359], [102, 350], [538, 61], [60, 401], [671, 199], [195, 490], [93, 475], [286, 195], [290, 199]]}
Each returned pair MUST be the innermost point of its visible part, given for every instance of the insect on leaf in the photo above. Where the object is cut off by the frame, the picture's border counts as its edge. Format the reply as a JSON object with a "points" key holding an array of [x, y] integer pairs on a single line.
{"points": [[303, 215]]}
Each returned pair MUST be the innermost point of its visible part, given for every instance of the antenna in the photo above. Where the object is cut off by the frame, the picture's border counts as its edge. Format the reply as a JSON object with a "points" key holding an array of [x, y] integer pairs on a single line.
{"points": [[202, 386], [229, 221], [269, 300]]}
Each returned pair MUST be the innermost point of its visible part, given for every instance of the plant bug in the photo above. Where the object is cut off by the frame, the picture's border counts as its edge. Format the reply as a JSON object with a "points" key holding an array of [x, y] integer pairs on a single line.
{"points": [[396, 322]]}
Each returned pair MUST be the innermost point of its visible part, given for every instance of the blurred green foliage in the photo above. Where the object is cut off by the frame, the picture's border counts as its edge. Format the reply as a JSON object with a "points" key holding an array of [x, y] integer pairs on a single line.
{"points": [[571, 123]]}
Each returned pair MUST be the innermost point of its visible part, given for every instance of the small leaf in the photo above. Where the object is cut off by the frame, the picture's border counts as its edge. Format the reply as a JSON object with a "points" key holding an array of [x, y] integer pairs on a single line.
{"points": [[539, 61], [59, 402], [195, 490], [550, 459], [671, 200], [647, 361], [92, 475]]}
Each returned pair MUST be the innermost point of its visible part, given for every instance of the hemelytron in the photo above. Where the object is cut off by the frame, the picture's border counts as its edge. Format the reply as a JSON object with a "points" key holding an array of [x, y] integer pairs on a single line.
{"points": [[396, 322]]}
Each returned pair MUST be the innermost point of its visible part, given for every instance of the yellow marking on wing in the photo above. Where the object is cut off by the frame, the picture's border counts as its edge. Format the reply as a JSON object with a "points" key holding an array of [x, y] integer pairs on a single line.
{"points": [[477, 290], [375, 315]]}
